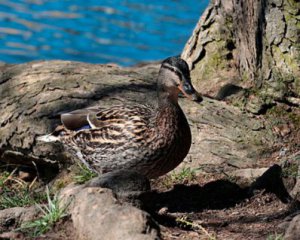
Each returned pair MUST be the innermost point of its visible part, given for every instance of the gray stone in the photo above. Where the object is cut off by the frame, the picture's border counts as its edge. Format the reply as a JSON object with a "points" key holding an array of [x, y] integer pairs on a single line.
{"points": [[248, 173], [14, 217], [293, 229], [97, 214]]}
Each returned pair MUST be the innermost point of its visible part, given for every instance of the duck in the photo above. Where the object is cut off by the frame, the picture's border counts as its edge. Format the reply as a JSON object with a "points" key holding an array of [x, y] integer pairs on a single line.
{"points": [[149, 140]]}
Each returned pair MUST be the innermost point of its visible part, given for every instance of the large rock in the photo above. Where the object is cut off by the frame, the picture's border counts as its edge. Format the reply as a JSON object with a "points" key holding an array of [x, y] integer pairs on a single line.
{"points": [[11, 218], [97, 214], [293, 230]]}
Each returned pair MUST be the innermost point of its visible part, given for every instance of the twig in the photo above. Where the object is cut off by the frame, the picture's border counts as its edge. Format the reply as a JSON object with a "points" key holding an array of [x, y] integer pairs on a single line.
{"points": [[195, 226]]}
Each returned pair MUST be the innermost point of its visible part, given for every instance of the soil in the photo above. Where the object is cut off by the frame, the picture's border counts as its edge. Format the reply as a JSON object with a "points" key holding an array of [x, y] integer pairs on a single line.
{"points": [[214, 209], [256, 217]]}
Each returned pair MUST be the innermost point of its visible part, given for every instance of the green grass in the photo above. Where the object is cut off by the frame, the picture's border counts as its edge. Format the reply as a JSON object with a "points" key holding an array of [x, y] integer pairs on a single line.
{"points": [[19, 198], [275, 237], [290, 171], [52, 212], [16, 193], [3, 178], [183, 221], [84, 174], [186, 174]]}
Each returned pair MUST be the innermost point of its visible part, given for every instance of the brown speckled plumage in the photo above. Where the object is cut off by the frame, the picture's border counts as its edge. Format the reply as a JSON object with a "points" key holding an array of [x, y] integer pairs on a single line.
{"points": [[152, 141]]}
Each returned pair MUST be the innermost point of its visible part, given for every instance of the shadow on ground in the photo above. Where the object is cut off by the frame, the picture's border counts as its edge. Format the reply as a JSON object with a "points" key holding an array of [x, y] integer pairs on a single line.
{"points": [[220, 194]]}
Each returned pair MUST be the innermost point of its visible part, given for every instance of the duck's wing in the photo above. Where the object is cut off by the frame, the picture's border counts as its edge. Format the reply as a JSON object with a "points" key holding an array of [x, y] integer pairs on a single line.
{"points": [[120, 115], [78, 119], [115, 127], [119, 134]]}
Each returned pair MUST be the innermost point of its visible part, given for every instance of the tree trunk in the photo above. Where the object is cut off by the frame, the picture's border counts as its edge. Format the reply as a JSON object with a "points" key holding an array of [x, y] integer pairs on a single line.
{"points": [[253, 44]]}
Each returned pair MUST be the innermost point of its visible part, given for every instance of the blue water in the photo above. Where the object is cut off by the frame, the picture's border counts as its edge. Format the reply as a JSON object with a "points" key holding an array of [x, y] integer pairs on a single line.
{"points": [[97, 31]]}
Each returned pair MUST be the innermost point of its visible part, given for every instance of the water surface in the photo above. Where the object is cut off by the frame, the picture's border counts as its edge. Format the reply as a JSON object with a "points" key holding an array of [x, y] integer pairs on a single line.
{"points": [[96, 31]]}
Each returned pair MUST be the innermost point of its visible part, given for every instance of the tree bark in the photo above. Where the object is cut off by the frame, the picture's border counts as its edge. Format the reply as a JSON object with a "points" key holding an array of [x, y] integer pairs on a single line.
{"points": [[253, 44]]}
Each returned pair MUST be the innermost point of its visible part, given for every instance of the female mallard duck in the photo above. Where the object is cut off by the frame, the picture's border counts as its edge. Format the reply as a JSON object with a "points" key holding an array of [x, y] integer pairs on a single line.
{"points": [[151, 141]]}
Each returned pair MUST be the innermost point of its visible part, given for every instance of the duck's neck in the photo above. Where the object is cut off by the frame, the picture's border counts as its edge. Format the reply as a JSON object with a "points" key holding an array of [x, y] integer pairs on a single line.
{"points": [[168, 114], [166, 99]]}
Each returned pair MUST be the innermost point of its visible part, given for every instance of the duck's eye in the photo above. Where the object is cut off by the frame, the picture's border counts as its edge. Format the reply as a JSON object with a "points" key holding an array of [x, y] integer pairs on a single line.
{"points": [[175, 83]]}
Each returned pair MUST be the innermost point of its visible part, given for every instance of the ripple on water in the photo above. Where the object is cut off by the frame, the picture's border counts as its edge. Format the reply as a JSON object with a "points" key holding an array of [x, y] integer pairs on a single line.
{"points": [[125, 32]]}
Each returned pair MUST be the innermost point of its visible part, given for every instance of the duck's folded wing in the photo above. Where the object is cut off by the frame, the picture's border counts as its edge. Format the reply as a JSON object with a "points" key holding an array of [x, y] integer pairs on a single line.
{"points": [[78, 119], [120, 115]]}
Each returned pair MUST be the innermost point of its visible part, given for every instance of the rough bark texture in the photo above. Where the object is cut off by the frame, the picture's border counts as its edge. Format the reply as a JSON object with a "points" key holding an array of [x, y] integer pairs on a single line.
{"points": [[253, 44]]}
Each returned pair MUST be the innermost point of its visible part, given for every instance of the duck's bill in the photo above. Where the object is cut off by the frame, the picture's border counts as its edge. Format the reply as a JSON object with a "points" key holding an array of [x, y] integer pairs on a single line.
{"points": [[189, 91]]}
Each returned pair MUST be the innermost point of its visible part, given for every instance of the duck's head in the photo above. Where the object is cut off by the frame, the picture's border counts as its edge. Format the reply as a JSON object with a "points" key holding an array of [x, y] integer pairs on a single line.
{"points": [[174, 77]]}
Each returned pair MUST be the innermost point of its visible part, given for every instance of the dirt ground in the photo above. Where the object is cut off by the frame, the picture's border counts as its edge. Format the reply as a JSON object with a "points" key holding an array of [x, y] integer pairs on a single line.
{"points": [[213, 209], [256, 217]]}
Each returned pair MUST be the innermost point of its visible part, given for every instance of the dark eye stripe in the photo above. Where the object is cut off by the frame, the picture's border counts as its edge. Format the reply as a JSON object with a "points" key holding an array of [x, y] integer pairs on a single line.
{"points": [[172, 69]]}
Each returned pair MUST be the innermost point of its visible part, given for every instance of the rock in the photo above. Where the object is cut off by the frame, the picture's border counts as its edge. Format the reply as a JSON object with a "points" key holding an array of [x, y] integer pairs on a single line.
{"points": [[11, 218], [293, 229], [248, 173], [295, 158], [97, 214], [68, 194], [271, 181], [12, 235]]}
